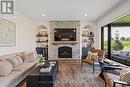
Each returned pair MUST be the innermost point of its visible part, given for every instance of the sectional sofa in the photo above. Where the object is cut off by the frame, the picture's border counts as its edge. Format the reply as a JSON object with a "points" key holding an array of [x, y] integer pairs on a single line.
{"points": [[14, 67], [122, 57]]}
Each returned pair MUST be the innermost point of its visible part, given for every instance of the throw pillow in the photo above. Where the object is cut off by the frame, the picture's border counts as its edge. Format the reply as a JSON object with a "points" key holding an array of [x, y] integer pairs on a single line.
{"points": [[124, 53], [13, 60], [19, 59], [91, 56], [35, 54], [29, 57], [5, 67], [125, 75], [128, 54]]}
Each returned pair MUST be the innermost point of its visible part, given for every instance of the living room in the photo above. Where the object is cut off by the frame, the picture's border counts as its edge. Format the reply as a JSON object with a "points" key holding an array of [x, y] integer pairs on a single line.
{"points": [[60, 29]]}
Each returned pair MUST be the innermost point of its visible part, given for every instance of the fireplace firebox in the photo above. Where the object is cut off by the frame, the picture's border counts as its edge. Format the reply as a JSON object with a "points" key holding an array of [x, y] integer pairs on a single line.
{"points": [[64, 52]]}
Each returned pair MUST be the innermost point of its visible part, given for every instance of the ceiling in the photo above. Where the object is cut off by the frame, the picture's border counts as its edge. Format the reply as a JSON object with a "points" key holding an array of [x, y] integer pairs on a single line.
{"points": [[65, 9]]}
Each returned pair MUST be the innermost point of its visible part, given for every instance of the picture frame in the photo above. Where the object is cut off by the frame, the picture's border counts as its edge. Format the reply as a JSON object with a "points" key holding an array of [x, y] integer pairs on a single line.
{"points": [[7, 33]]}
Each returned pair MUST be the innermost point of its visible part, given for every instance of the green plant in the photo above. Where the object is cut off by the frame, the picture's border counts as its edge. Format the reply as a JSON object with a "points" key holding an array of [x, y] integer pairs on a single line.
{"points": [[41, 59], [117, 44]]}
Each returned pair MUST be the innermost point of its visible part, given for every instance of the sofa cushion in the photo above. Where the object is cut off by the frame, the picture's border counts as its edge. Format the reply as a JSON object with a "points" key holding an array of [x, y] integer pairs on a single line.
{"points": [[10, 79], [24, 66], [13, 60], [5, 67], [124, 53], [28, 56]]}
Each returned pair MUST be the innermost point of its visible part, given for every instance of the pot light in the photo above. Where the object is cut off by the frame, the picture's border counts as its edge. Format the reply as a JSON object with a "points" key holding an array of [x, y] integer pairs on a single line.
{"points": [[43, 15], [85, 15]]}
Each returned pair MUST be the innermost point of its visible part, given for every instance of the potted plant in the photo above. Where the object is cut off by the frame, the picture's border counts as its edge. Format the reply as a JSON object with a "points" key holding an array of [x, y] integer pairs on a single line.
{"points": [[41, 59]]}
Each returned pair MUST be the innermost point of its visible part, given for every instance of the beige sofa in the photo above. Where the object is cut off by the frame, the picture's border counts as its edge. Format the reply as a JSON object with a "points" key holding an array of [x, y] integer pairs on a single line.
{"points": [[14, 67]]}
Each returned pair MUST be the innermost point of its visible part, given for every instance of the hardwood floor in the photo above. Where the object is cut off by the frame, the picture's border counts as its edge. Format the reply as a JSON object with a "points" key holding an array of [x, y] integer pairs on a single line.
{"points": [[72, 75]]}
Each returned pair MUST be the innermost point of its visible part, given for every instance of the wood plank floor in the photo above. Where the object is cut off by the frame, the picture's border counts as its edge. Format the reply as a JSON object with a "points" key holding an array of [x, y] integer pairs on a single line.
{"points": [[72, 75]]}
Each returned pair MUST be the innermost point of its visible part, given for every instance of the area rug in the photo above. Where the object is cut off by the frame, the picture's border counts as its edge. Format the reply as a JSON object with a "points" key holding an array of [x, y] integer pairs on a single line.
{"points": [[72, 75]]}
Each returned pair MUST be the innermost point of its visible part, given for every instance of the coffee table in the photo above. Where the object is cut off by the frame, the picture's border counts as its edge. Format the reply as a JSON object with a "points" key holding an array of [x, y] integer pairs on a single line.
{"points": [[37, 79]]}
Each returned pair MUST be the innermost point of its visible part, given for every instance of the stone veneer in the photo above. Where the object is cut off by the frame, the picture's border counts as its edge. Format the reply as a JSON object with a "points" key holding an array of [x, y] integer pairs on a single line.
{"points": [[53, 49]]}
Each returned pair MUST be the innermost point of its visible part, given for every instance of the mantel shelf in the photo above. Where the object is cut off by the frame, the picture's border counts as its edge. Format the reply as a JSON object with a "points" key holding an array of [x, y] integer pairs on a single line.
{"points": [[64, 42]]}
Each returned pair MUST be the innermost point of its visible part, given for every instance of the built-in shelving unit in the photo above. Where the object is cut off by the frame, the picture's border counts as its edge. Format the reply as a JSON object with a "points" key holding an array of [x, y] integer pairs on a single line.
{"points": [[87, 40], [42, 37], [87, 37]]}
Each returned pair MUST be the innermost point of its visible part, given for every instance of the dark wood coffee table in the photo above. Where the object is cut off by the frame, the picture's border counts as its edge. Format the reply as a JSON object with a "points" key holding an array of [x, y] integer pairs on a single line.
{"points": [[37, 79]]}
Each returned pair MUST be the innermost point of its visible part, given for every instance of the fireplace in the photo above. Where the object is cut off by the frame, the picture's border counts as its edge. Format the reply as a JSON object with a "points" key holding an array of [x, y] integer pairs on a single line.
{"points": [[65, 52]]}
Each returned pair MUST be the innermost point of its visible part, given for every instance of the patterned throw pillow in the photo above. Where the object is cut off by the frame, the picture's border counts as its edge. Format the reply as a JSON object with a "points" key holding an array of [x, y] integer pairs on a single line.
{"points": [[125, 75], [91, 56]]}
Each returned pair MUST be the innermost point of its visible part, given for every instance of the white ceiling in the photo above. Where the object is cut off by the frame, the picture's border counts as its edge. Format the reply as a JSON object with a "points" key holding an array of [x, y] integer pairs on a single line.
{"points": [[65, 9]]}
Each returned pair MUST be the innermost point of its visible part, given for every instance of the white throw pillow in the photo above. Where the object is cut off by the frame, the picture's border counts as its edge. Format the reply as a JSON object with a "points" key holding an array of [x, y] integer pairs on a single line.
{"points": [[19, 59], [5, 67], [91, 56], [13, 60], [29, 57], [35, 54]]}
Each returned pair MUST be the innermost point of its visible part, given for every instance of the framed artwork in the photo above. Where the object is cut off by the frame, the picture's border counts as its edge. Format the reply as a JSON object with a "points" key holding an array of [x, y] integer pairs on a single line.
{"points": [[7, 33]]}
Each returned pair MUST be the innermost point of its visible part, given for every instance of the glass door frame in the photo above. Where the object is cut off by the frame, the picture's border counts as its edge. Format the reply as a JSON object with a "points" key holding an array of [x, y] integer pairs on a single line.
{"points": [[109, 39]]}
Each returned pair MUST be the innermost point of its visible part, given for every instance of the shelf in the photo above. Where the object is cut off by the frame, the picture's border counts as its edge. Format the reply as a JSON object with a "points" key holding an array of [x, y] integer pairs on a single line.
{"points": [[64, 42], [42, 41], [42, 35], [87, 35], [88, 41]]}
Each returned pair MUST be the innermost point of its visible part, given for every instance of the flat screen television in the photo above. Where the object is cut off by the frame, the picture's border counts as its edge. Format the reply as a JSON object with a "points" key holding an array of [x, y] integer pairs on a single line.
{"points": [[65, 34]]}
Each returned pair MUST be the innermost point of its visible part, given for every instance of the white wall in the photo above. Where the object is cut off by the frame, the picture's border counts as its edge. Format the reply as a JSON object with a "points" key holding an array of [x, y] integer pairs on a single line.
{"points": [[117, 13], [25, 35]]}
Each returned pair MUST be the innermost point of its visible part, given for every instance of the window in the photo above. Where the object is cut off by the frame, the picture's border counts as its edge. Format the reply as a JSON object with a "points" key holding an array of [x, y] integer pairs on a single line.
{"points": [[116, 43], [105, 39], [115, 40], [120, 39]]}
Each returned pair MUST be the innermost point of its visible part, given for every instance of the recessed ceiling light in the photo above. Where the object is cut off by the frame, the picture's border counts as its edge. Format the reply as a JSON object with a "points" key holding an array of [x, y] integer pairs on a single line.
{"points": [[43, 15], [85, 15]]}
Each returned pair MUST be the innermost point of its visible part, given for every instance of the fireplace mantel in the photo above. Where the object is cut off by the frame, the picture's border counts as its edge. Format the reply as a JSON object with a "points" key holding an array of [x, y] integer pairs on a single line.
{"points": [[64, 42]]}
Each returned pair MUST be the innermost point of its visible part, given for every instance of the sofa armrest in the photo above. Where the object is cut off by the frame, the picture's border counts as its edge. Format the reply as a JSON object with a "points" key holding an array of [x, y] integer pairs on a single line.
{"points": [[120, 82]]}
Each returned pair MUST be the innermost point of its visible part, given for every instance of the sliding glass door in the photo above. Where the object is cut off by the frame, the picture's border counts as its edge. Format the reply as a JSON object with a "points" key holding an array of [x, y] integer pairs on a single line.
{"points": [[104, 38], [115, 41]]}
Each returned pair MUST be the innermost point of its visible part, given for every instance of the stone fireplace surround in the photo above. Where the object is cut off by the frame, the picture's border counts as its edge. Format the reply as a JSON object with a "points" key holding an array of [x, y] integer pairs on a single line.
{"points": [[54, 45]]}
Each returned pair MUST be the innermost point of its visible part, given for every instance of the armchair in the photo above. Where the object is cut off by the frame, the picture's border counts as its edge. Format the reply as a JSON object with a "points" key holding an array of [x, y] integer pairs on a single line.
{"points": [[93, 57]]}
